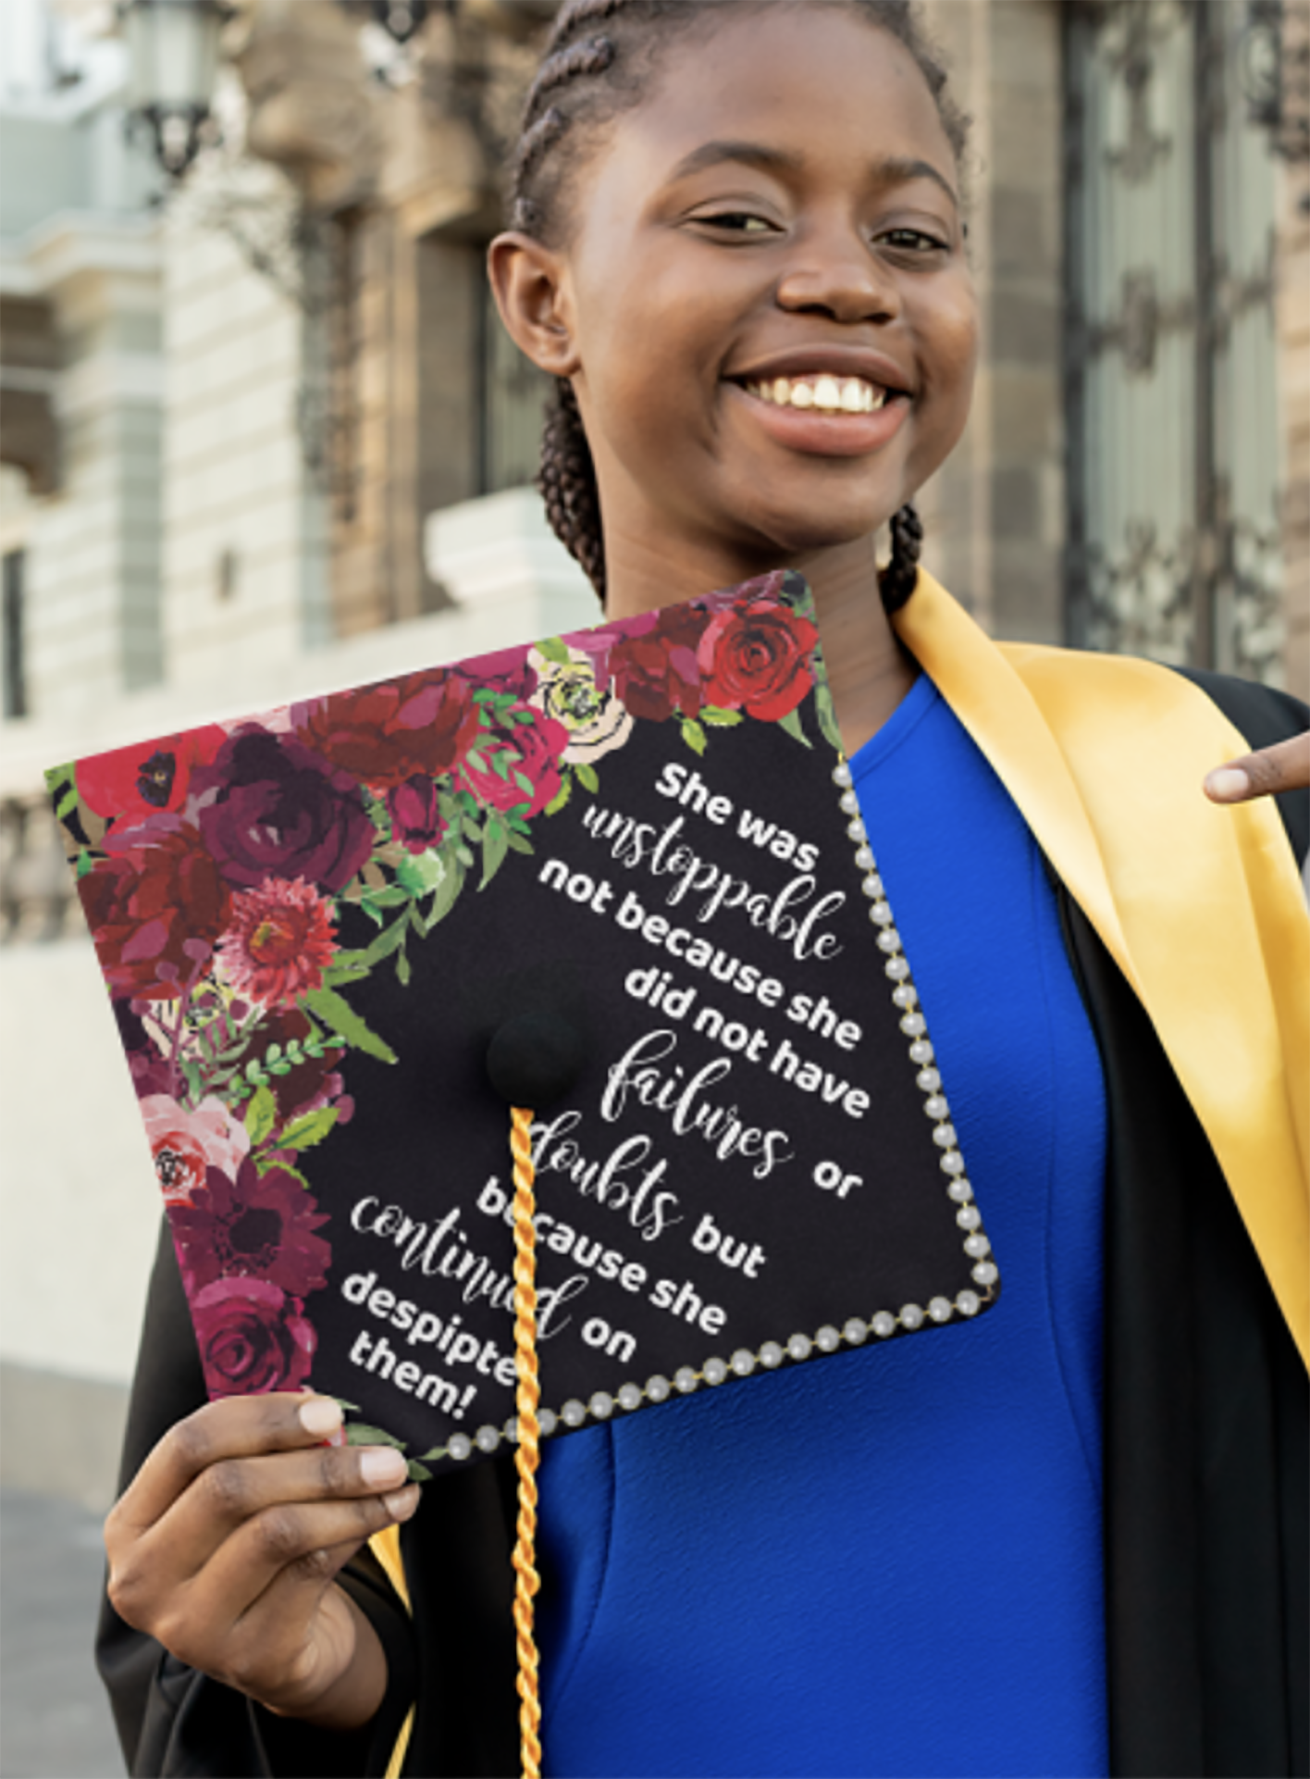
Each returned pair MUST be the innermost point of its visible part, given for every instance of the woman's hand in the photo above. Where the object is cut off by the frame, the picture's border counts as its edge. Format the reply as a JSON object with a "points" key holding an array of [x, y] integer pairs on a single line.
{"points": [[1282, 768], [226, 1546]]}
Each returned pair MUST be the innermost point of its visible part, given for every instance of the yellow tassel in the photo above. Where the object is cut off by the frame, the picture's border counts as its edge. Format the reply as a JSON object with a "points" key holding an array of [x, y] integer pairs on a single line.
{"points": [[528, 1399]]}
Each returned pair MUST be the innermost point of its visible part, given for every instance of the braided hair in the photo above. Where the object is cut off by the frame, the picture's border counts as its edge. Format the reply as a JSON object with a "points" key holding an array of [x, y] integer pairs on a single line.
{"points": [[597, 62]]}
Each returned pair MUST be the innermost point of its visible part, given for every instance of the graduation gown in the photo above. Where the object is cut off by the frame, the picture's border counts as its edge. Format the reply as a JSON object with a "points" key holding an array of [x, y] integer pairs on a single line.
{"points": [[1186, 929]]}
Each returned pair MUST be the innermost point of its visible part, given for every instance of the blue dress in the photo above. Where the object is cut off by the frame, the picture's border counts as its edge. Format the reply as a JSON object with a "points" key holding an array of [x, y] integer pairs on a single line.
{"points": [[887, 1562]]}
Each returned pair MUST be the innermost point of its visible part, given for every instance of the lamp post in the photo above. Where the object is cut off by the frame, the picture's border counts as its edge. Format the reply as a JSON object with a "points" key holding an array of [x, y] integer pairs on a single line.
{"points": [[172, 61]]}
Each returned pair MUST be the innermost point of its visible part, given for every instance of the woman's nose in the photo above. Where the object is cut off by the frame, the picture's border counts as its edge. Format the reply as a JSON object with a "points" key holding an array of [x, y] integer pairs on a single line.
{"points": [[842, 277]]}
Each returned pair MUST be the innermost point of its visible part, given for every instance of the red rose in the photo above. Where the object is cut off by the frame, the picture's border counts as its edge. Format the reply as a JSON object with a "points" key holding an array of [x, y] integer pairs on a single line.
{"points": [[252, 1337], [530, 750], [385, 734], [754, 656], [415, 812], [133, 783], [155, 907], [656, 672]]}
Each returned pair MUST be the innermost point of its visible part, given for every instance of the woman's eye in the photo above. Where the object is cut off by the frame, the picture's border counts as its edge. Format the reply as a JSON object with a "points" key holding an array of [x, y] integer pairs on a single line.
{"points": [[737, 222], [915, 240]]}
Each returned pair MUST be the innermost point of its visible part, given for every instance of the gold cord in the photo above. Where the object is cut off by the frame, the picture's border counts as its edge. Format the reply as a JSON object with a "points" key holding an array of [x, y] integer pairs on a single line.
{"points": [[527, 1400]]}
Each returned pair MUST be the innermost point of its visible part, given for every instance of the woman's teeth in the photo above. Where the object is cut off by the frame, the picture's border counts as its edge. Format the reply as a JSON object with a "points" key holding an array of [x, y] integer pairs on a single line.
{"points": [[830, 395]]}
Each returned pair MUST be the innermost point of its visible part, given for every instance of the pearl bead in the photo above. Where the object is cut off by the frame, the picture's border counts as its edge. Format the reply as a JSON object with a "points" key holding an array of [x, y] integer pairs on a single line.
{"points": [[976, 1246], [911, 1316], [960, 1190], [985, 1272], [888, 939], [770, 1354], [929, 1080], [547, 1420], [685, 1379], [459, 1446], [864, 859], [601, 1405], [944, 1136], [743, 1362], [913, 1024], [511, 1430], [841, 774], [935, 1105], [827, 1339], [939, 1308], [921, 1050], [907, 995], [630, 1397], [849, 803], [881, 914], [952, 1162], [855, 1332], [897, 968], [871, 886], [488, 1438], [714, 1371], [968, 1217], [883, 1324], [800, 1346], [968, 1303], [855, 830], [573, 1414], [657, 1388]]}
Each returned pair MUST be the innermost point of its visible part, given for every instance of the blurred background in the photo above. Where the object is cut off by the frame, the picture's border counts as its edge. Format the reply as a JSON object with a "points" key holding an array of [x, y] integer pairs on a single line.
{"points": [[261, 433]]}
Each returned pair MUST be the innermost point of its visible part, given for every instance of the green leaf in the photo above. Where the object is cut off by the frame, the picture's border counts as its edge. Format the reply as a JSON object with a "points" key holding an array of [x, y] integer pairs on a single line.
{"points": [[261, 1116], [418, 1472], [444, 899], [85, 864], [360, 1433], [476, 760], [500, 763], [347, 1024], [374, 914], [827, 716], [792, 724], [309, 1130], [67, 803], [255, 1070], [470, 830], [465, 857], [719, 719], [339, 974], [561, 796], [273, 1158], [586, 777], [390, 897], [554, 650], [494, 848], [438, 1451], [55, 776], [403, 969], [693, 735], [524, 783], [519, 844], [342, 1403], [419, 872]]}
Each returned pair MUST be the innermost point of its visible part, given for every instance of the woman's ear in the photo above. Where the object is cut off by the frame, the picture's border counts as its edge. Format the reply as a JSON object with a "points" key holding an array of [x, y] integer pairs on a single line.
{"points": [[527, 280]]}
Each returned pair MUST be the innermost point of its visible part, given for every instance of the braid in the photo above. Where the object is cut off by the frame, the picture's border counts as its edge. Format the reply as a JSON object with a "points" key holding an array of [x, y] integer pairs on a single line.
{"points": [[587, 77], [567, 482], [897, 581]]}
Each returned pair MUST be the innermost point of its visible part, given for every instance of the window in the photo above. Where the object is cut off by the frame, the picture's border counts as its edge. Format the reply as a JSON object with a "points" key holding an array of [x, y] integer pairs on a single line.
{"points": [[15, 666]]}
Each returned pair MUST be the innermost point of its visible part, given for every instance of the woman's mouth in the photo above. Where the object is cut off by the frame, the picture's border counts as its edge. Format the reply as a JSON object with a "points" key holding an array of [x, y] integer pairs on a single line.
{"points": [[820, 393]]}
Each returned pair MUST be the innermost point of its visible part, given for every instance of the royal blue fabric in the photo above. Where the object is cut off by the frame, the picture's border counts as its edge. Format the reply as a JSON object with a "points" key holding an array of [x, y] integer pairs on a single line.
{"points": [[887, 1562]]}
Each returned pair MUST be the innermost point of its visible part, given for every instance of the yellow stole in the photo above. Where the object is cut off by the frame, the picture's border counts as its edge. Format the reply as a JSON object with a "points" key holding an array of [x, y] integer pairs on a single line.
{"points": [[1200, 906]]}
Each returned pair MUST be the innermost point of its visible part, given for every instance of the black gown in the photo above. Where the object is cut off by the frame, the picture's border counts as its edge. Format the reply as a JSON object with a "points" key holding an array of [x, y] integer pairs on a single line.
{"points": [[1207, 1478]]}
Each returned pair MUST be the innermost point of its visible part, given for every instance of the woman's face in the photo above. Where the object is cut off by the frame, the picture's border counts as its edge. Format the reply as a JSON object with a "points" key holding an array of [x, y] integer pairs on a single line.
{"points": [[772, 230]]}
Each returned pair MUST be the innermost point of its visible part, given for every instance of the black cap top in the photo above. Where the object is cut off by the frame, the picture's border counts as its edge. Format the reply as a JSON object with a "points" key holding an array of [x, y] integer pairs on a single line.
{"points": [[534, 1058]]}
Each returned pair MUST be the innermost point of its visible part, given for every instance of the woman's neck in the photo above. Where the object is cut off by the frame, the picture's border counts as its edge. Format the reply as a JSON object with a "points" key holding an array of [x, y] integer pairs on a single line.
{"points": [[868, 669]]}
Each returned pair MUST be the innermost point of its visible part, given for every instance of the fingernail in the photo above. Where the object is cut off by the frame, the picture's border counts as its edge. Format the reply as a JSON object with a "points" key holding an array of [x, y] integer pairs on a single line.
{"points": [[381, 1464], [320, 1416], [1227, 782], [402, 1503]]}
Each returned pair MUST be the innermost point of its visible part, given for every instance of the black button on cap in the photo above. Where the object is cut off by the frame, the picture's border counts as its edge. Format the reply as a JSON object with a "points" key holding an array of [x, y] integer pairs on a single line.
{"points": [[535, 1058]]}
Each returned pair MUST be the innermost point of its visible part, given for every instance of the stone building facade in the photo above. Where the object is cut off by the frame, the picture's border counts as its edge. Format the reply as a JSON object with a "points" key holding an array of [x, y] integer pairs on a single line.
{"points": [[267, 436]]}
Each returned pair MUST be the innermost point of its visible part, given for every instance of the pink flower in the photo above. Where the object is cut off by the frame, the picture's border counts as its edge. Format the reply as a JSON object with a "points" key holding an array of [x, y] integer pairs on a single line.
{"points": [[186, 1144], [252, 1337], [278, 943], [257, 1226]]}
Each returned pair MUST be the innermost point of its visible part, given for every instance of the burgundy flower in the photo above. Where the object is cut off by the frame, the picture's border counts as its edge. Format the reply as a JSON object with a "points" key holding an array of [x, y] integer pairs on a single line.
{"points": [[155, 906], [258, 1226], [654, 668], [271, 808], [415, 818], [755, 655], [530, 750], [252, 1337], [420, 724], [280, 941], [505, 670], [133, 783]]}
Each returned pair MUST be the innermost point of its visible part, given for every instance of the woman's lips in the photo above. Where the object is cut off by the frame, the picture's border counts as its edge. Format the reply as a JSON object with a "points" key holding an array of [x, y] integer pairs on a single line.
{"points": [[825, 434]]}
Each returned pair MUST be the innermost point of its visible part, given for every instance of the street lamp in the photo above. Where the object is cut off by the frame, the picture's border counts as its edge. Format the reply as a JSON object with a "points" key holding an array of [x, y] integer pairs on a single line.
{"points": [[172, 48]]}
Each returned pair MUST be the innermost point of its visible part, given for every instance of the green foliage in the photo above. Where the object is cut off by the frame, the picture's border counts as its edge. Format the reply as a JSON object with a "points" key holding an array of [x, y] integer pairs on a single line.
{"points": [[261, 1114], [554, 650], [792, 724], [693, 735], [586, 777], [347, 1024]]}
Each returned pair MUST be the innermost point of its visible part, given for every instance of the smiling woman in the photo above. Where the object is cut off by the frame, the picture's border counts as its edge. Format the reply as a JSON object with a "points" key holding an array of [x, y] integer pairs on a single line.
{"points": [[1068, 1539]]}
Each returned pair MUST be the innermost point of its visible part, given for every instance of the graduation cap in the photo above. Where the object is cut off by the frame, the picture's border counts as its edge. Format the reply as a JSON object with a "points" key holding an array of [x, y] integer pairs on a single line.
{"points": [[618, 880]]}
